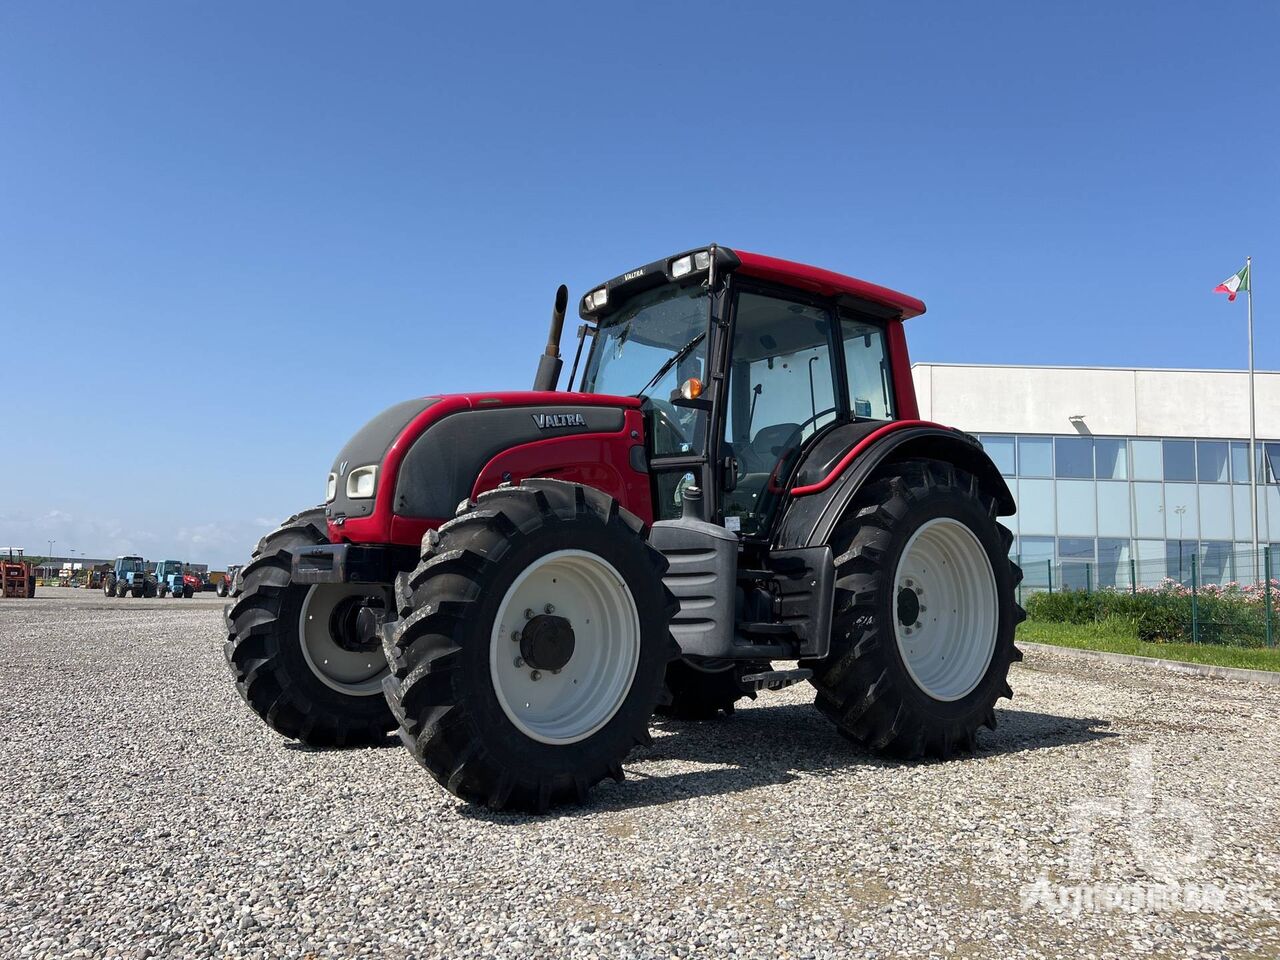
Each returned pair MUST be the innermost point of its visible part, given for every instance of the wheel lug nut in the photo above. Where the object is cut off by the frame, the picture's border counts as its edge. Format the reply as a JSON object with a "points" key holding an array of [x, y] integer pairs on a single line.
{"points": [[519, 661], [515, 635], [549, 609], [528, 613], [536, 675]]}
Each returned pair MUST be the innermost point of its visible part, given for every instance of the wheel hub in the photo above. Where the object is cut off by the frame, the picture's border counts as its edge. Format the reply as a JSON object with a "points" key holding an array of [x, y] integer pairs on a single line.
{"points": [[547, 642], [355, 625], [909, 607]]}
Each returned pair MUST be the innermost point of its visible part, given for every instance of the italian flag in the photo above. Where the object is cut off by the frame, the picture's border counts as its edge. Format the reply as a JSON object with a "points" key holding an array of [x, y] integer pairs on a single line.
{"points": [[1233, 285]]}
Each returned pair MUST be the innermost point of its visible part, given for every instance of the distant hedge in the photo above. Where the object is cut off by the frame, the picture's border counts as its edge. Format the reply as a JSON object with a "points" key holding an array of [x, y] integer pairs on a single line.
{"points": [[1226, 615]]}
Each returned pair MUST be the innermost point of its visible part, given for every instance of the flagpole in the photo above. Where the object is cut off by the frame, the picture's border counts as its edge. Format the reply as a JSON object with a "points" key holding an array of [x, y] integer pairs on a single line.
{"points": [[1253, 431]]}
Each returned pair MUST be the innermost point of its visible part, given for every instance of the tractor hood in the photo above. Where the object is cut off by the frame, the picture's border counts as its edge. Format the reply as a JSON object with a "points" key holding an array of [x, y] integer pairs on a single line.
{"points": [[420, 458]]}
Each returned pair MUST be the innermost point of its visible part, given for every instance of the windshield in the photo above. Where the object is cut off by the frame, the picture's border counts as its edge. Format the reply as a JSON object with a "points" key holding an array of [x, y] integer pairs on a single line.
{"points": [[131, 564], [634, 344]]}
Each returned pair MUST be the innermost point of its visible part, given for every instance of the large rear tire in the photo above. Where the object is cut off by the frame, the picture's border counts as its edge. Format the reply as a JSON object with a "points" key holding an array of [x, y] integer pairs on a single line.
{"points": [[922, 637], [294, 650], [531, 647]]}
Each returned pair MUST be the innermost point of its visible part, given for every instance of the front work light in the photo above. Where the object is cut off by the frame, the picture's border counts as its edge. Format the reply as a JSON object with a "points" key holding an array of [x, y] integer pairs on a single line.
{"points": [[360, 482], [331, 488], [683, 266], [595, 300]]}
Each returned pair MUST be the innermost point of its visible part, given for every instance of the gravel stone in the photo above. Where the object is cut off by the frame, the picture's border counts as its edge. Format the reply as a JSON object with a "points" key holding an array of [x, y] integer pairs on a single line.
{"points": [[146, 813]]}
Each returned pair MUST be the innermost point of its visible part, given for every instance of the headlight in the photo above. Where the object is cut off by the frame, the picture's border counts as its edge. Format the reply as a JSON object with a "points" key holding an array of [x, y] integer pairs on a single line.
{"points": [[595, 300], [331, 488], [360, 482]]}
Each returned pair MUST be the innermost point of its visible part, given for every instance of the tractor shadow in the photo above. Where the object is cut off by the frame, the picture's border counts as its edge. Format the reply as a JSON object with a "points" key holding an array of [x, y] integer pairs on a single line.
{"points": [[769, 745]]}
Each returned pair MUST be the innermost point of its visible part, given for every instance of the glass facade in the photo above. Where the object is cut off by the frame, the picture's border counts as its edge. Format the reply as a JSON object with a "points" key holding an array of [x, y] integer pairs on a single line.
{"points": [[1096, 508]]}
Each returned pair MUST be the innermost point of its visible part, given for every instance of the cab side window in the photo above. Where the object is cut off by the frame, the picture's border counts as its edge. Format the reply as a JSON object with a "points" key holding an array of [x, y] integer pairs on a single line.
{"points": [[867, 367]]}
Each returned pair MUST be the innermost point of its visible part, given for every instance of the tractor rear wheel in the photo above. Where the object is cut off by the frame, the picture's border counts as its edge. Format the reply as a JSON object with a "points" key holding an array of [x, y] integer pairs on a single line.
{"points": [[531, 647], [108, 587], [922, 636], [187, 593], [303, 656], [702, 691]]}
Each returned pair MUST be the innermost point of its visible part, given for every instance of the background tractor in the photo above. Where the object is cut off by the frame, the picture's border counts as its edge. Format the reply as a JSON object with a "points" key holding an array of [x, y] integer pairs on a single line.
{"points": [[129, 578], [226, 585], [170, 580], [516, 582]]}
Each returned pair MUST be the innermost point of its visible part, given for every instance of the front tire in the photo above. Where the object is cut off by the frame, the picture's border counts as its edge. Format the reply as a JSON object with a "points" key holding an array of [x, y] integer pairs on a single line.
{"points": [[531, 647], [293, 650], [925, 613]]}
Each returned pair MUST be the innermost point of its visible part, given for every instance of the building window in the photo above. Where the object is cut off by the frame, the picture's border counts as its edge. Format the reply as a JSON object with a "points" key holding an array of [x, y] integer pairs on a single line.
{"points": [[1110, 454], [1035, 507], [1113, 563], [1239, 462], [1211, 458], [1077, 508], [1181, 514], [1148, 510], [1180, 460], [1035, 558], [1073, 457], [1113, 509], [1215, 511], [1148, 459], [1075, 548], [1035, 457], [1002, 451]]}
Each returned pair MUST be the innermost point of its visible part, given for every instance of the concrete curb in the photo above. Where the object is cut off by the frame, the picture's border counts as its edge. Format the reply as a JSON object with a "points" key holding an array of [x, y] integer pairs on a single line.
{"points": [[1269, 677]]}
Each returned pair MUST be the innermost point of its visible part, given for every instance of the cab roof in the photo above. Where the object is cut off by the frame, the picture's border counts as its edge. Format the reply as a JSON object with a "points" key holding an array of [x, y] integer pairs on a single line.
{"points": [[824, 283], [827, 283]]}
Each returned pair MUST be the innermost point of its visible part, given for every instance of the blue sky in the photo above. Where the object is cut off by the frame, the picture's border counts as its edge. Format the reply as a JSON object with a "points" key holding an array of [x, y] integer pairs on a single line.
{"points": [[233, 232]]}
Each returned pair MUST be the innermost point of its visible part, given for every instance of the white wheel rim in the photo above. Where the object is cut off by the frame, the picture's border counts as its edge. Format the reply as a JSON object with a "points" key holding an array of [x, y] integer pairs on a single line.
{"points": [[948, 645], [355, 673], [572, 704]]}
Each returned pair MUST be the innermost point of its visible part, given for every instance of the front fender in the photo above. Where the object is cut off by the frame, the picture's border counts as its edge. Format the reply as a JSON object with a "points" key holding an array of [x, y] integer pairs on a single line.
{"points": [[836, 467]]}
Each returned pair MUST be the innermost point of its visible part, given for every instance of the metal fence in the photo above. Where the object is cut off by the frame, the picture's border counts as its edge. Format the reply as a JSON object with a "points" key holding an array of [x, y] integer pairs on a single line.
{"points": [[1228, 603]]}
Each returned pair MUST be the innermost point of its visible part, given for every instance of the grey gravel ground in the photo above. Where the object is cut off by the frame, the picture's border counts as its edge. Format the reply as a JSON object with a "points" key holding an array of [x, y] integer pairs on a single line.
{"points": [[145, 812]]}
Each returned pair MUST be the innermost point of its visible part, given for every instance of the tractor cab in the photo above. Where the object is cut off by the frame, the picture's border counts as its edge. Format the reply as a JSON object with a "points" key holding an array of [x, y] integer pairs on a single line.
{"points": [[741, 362]]}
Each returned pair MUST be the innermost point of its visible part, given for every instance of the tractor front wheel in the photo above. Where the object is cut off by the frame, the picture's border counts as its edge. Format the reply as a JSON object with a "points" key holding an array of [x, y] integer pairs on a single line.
{"points": [[307, 658], [531, 647], [922, 637]]}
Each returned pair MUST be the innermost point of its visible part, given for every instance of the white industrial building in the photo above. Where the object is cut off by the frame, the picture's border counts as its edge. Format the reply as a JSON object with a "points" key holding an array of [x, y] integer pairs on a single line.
{"points": [[1122, 471]]}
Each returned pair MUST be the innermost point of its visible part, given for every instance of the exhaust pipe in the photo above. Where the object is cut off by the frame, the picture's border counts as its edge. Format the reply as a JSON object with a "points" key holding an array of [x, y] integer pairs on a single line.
{"points": [[549, 364]]}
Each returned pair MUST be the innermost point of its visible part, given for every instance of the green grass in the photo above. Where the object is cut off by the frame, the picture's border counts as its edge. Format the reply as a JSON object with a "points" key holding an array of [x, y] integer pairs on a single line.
{"points": [[1123, 638]]}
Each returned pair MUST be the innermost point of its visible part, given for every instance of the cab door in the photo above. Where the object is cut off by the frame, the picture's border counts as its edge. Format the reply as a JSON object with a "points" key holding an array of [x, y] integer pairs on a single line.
{"points": [[784, 385]]}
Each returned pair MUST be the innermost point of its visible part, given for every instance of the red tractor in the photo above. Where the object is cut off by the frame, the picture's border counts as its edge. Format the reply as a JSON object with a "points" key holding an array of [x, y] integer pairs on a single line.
{"points": [[518, 581]]}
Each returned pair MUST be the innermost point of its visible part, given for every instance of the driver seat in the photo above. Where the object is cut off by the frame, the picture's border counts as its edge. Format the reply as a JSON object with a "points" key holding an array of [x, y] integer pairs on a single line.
{"points": [[756, 462]]}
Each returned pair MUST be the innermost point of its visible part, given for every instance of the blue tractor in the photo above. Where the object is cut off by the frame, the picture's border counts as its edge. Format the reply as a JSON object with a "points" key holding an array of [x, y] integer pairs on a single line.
{"points": [[169, 579], [129, 576]]}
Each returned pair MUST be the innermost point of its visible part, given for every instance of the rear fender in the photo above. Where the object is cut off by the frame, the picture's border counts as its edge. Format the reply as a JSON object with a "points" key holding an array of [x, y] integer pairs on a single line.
{"points": [[837, 466]]}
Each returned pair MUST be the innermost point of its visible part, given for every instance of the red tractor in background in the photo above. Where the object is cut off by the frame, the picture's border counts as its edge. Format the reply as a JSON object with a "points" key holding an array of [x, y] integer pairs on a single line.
{"points": [[518, 581]]}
